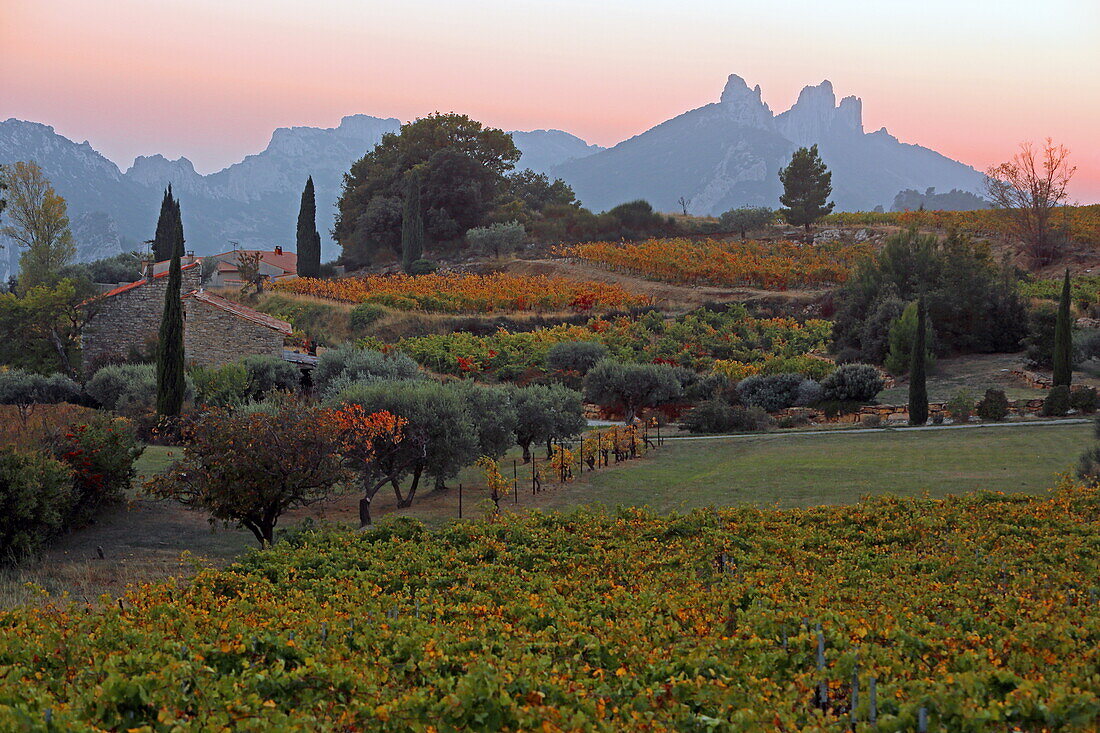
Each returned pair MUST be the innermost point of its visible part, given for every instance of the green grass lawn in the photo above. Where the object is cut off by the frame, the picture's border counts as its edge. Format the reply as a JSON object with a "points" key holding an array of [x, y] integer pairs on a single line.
{"points": [[794, 471]]}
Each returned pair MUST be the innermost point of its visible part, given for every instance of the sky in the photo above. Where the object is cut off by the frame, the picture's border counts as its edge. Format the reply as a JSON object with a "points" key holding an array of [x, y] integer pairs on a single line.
{"points": [[211, 79]]}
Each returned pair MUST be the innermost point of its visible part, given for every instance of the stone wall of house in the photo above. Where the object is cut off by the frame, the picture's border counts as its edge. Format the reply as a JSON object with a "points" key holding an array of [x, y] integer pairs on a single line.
{"points": [[128, 322], [212, 337]]}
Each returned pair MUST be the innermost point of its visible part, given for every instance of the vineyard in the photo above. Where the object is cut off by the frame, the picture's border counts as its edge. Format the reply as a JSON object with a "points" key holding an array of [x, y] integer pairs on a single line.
{"points": [[1085, 289], [771, 265], [1081, 223], [469, 293], [974, 613], [694, 340]]}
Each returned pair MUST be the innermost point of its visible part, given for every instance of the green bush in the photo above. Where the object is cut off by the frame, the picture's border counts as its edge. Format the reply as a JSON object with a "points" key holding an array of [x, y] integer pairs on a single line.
{"points": [[340, 367], [1057, 402], [268, 373], [575, 356], [960, 407], [836, 408], [994, 406], [422, 267], [224, 386], [1083, 400], [101, 454], [364, 315], [770, 393], [852, 383], [716, 416], [35, 497], [18, 387], [128, 389]]}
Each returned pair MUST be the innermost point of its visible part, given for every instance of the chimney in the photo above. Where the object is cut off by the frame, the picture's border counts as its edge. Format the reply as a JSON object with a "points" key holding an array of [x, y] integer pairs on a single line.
{"points": [[278, 250], [149, 270]]}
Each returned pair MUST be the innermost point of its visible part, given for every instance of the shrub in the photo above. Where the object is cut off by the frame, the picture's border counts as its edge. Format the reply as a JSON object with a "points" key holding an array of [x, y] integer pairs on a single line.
{"points": [[937, 418], [101, 454], [808, 393], [903, 334], [852, 383], [129, 389], [770, 393], [1057, 402], [497, 239], [575, 356], [26, 389], [715, 416], [994, 406], [960, 407], [364, 315], [224, 386], [1088, 465], [35, 496], [269, 373], [835, 408], [422, 267], [339, 367], [1083, 400], [870, 421]]}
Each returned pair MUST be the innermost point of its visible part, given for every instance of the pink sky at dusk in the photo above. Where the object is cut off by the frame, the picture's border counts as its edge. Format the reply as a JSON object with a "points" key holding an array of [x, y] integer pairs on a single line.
{"points": [[211, 80]]}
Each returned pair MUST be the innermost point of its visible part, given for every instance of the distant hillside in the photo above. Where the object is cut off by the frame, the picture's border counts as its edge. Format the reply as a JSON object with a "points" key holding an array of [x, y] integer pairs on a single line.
{"points": [[729, 153], [253, 202]]}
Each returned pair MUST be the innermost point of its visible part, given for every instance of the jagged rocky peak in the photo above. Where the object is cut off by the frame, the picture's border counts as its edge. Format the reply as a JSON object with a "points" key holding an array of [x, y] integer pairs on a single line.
{"points": [[156, 170], [816, 116], [744, 104]]}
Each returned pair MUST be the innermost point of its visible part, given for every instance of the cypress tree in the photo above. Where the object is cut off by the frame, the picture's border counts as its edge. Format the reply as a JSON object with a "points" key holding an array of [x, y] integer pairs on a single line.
{"points": [[412, 225], [1063, 339], [170, 378], [807, 184], [308, 240], [164, 239], [177, 228], [918, 386]]}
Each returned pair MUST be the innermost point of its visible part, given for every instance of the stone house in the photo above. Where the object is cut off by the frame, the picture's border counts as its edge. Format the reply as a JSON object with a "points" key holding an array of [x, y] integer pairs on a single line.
{"points": [[275, 264], [218, 331], [125, 321]]}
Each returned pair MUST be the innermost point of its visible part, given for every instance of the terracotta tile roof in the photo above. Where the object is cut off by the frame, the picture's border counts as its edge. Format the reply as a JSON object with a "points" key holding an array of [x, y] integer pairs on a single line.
{"points": [[131, 286], [241, 311], [286, 261]]}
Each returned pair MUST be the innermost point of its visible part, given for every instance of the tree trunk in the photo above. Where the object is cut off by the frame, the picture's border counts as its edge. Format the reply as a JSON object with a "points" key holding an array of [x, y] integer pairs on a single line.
{"points": [[364, 512], [549, 449], [526, 451], [408, 500]]}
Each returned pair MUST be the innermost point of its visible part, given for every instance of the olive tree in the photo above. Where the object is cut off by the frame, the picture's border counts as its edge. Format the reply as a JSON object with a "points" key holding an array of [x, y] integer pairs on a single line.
{"points": [[631, 387]]}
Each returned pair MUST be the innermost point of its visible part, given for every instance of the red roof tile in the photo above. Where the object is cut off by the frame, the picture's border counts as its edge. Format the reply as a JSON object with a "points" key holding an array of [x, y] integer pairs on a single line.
{"points": [[131, 286], [287, 261], [242, 311]]}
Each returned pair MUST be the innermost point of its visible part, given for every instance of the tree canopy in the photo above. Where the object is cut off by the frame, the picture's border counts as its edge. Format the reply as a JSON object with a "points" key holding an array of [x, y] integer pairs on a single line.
{"points": [[39, 223], [807, 184], [461, 163]]}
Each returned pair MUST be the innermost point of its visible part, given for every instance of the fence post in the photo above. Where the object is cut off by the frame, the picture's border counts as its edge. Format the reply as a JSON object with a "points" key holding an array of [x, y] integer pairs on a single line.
{"points": [[515, 482], [460, 501], [533, 462], [874, 701]]}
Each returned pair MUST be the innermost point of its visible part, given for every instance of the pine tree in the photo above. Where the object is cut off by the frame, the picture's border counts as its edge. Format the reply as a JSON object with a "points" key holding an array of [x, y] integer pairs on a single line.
{"points": [[807, 184], [170, 378], [412, 225], [164, 239], [1063, 339], [308, 240], [918, 387]]}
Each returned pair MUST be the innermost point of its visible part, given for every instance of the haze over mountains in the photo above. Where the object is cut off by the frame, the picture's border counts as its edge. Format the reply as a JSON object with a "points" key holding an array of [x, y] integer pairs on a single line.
{"points": [[721, 155]]}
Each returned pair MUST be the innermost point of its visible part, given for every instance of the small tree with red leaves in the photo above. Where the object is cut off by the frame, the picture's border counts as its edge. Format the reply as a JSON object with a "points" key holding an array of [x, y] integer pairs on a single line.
{"points": [[252, 468]]}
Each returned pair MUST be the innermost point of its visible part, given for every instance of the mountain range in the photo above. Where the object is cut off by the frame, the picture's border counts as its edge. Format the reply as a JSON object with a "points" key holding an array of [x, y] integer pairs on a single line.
{"points": [[720, 155]]}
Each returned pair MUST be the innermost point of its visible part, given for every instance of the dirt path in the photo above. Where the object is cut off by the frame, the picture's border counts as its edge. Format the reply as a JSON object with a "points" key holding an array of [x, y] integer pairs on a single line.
{"points": [[675, 296]]}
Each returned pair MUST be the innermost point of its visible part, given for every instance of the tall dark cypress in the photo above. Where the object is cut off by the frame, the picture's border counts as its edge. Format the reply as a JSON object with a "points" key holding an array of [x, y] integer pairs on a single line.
{"points": [[308, 241], [1063, 339], [918, 383], [412, 224], [177, 228], [164, 240], [170, 376]]}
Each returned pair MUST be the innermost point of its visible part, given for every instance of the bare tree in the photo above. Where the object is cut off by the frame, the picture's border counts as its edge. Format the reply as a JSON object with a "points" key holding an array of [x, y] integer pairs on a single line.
{"points": [[1029, 188], [248, 265], [684, 204]]}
